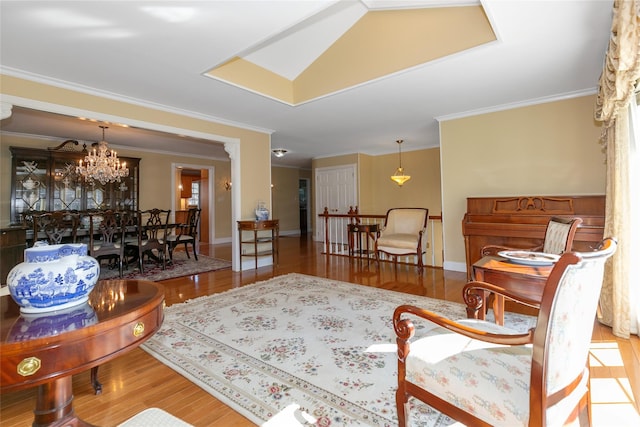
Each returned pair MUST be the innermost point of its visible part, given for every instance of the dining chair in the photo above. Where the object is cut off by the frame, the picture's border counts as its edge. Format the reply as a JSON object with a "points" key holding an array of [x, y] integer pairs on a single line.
{"points": [[151, 239], [56, 226], [186, 233], [483, 374], [402, 235], [107, 237]]}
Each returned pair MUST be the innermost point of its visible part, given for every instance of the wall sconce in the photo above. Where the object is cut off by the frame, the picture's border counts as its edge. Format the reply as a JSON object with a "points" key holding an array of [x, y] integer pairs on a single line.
{"points": [[227, 185]]}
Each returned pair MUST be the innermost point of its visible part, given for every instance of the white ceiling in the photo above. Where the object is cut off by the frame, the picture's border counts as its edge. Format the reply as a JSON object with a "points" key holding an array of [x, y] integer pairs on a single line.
{"points": [[155, 54]]}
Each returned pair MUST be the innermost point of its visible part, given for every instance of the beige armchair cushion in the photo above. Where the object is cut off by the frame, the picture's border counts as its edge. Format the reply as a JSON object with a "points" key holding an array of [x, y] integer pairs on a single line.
{"points": [[398, 241], [402, 233], [403, 229]]}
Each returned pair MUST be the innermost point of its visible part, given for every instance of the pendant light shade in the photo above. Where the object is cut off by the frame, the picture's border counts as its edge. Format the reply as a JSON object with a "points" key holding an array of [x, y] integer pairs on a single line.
{"points": [[399, 176]]}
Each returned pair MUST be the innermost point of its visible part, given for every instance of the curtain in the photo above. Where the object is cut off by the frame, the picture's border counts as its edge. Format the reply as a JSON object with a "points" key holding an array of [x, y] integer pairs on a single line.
{"points": [[618, 300]]}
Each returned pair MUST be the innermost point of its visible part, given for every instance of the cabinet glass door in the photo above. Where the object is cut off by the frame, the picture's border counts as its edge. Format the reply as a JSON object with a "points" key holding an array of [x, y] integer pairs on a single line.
{"points": [[67, 188], [31, 185]]}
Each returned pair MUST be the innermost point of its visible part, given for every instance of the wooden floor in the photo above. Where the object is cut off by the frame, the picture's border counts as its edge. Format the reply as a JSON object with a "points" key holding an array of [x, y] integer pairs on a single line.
{"points": [[137, 381]]}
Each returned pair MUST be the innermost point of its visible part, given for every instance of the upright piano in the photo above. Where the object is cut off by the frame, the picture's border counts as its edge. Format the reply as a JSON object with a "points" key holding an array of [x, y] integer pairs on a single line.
{"points": [[521, 221]]}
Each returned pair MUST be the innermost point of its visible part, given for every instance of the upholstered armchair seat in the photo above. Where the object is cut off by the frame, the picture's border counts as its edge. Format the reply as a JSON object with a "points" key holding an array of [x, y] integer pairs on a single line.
{"points": [[483, 374], [472, 367], [398, 243], [402, 234]]}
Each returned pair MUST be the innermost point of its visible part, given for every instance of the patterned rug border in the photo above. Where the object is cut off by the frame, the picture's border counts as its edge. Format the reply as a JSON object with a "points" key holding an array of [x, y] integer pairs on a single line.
{"points": [[248, 405], [183, 266]]}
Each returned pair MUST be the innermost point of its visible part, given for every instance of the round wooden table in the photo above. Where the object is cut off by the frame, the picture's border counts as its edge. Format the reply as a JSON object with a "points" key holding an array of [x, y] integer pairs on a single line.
{"points": [[45, 350]]}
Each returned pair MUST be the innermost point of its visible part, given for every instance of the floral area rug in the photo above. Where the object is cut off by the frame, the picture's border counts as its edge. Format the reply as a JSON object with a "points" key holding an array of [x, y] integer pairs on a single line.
{"points": [[181, 266], [299, 350]]}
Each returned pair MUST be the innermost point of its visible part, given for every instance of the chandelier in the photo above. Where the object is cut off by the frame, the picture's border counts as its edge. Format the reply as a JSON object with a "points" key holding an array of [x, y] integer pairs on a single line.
{"points": [[399, 177], [102, 164]]}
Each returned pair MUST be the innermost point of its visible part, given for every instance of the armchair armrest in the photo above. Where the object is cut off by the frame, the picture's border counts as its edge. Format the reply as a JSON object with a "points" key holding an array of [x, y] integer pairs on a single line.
{"points": [[472, 293], [405, 330], [494, 249]]}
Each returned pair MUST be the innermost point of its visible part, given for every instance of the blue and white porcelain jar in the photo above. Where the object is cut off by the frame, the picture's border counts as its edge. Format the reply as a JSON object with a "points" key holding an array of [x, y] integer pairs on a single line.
{"points": [[53, 277], [262, 213]]}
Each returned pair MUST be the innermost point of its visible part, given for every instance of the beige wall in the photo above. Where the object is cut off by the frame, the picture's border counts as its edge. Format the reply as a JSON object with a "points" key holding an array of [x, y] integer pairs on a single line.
{"points": [[254, 146], [286, 203], [545, 149], [421, 191], [366, 189]]}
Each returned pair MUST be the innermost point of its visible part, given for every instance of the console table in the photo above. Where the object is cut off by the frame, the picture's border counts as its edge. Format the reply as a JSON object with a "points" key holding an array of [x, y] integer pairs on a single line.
{"points": [[47, 349], [254, 246]]}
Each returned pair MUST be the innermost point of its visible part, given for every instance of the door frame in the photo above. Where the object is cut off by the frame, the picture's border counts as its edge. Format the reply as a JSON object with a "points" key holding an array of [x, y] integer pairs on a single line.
{"points": [[211, 196]]}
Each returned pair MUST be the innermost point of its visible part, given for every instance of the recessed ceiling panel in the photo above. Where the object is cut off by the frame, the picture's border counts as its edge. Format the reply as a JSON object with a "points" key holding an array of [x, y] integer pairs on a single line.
{"points": [[378, 44]]}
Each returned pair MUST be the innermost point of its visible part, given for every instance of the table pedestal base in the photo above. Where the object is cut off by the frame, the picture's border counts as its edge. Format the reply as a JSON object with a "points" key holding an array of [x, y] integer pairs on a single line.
{"points": [[54, 405]]}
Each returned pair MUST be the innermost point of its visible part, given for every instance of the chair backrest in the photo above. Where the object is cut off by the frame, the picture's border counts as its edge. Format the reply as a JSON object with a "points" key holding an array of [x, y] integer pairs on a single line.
{"points": [[406, 221], [559, 235], [108, 226], [193, 218], [56, 226], [152, 224], [565, 325]]}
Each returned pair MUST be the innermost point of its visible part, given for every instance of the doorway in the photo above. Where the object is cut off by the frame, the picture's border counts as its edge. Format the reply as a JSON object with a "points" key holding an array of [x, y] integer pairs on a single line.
{"points": [[303, 198], [185, 179]]}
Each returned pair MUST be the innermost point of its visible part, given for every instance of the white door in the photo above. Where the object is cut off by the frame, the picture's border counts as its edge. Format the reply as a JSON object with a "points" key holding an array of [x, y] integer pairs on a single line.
{"points": [[335, 190]]}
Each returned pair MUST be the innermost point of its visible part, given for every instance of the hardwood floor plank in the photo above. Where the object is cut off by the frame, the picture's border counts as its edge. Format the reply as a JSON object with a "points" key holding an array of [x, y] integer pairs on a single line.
{"points": [[137, 381]]}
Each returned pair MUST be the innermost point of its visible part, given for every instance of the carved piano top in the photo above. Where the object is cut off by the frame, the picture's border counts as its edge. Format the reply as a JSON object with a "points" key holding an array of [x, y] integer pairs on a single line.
{"points": [[521, 221]]}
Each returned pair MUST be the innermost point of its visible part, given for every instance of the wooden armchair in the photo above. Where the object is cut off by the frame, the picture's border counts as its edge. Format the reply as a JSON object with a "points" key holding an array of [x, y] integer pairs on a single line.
{"points": [[56, 226], [152, 228], [187, 233], [107, 236], [402, 234], [482, 374], [558, 238]]}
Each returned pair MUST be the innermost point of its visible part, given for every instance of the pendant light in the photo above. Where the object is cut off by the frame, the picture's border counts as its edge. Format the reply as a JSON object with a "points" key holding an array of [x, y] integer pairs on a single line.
{"points": [[399, 177]]}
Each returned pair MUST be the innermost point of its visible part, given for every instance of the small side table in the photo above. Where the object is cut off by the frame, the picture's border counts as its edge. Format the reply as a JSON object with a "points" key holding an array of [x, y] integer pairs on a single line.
{"points": [[258, 239], [356, 232], [523, 280]]}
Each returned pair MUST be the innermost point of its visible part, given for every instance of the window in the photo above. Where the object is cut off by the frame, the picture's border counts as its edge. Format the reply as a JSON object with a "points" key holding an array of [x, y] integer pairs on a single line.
{"points": [[195, 194]]}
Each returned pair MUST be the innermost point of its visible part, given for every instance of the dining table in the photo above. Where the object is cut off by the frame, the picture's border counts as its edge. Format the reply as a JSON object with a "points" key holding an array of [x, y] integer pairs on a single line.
{"points": [[44, 350], [526, 280]]}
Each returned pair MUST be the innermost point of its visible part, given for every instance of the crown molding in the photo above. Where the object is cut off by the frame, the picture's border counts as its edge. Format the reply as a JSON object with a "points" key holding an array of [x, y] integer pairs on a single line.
{"points": [[37, 78], [519, 104]]}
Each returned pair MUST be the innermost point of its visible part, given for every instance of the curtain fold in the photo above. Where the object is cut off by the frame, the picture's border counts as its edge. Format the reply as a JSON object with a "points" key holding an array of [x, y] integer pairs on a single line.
{"points": [[615, 91]]}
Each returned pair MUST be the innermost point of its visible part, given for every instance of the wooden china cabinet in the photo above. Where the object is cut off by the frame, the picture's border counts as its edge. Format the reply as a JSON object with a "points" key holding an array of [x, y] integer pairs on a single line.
{"points": [[46, 180]]}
